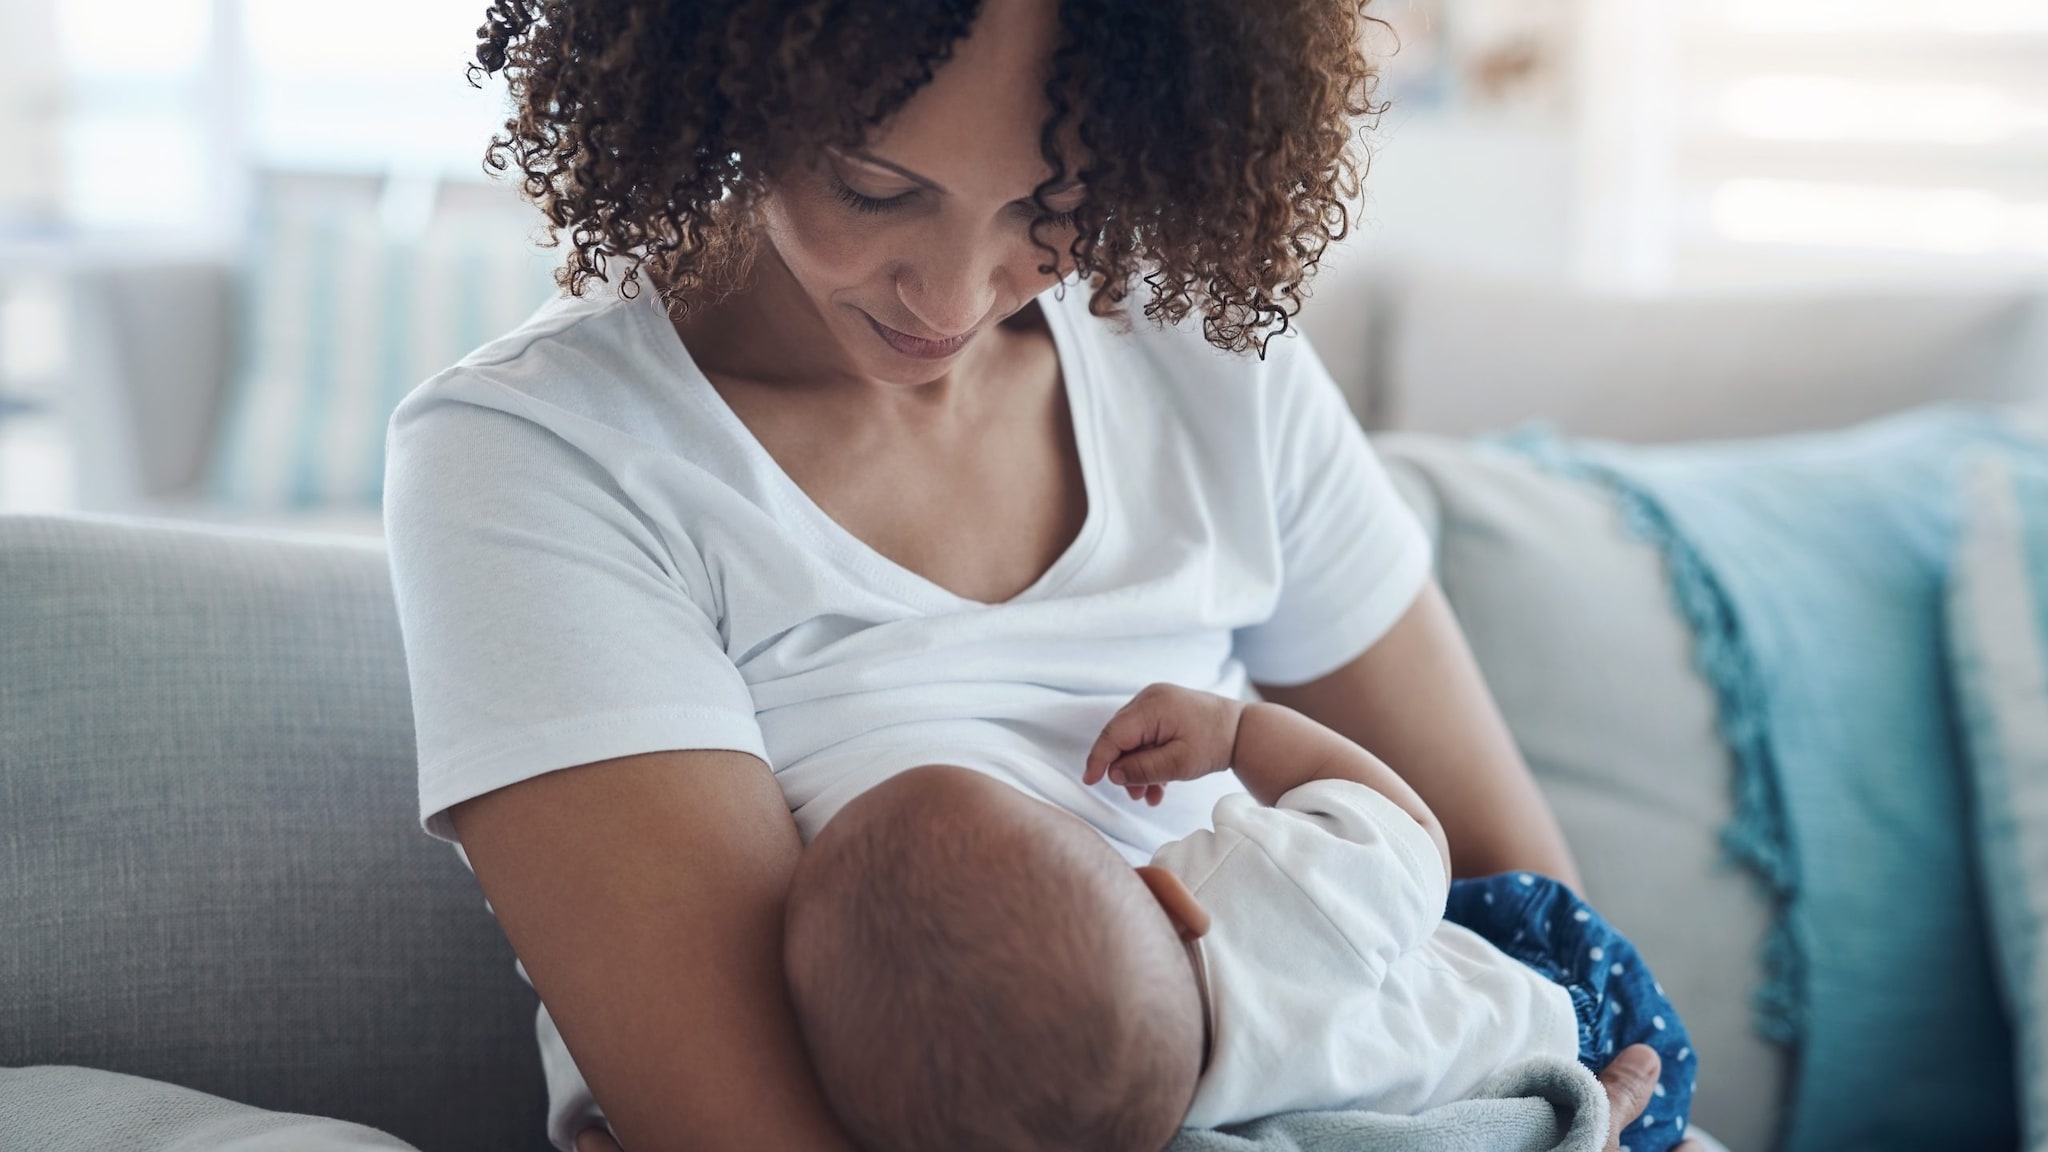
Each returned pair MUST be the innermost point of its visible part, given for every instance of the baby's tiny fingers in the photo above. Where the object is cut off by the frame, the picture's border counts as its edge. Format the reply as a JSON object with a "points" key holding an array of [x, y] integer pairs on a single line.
{"points": [[1099, 757], [1145, 766], [1150, 793], [1104, 752], [1130, 728]]}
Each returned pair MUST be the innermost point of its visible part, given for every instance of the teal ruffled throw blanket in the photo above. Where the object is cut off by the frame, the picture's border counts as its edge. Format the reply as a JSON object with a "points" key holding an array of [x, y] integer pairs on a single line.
{"points": [[1811, 570]]}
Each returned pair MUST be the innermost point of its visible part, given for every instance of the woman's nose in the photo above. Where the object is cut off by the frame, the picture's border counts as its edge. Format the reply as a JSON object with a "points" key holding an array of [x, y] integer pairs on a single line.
{"points": [[951, 287]]}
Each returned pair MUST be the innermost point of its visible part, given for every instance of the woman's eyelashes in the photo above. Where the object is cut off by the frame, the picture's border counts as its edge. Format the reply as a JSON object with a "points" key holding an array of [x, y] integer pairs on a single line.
{"points": [[869, 205], [860, 203]]}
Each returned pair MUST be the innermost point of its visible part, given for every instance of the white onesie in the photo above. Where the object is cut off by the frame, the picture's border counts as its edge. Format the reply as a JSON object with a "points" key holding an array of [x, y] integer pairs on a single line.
{"points": [[1334, 980]]}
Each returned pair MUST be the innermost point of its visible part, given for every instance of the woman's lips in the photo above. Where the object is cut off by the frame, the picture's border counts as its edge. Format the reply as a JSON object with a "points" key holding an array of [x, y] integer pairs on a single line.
{"points": [[919, 348]]}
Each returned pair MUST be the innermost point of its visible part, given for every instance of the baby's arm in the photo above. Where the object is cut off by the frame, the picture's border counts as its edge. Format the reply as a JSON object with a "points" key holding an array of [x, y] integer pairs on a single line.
{"points": [[1169, 733]]}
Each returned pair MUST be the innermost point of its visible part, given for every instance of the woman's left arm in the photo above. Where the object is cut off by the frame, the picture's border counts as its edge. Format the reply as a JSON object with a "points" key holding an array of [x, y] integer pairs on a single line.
{"points": [[1416, 700]]}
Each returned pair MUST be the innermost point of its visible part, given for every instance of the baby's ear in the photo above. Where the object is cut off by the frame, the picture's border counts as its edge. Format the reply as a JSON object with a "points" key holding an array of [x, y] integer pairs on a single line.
{"points": [[1180, 905]]}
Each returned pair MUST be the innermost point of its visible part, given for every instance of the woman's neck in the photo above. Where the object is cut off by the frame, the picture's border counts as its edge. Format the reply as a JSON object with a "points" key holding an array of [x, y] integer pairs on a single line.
{"points": [[770, 334], [767, 331]]}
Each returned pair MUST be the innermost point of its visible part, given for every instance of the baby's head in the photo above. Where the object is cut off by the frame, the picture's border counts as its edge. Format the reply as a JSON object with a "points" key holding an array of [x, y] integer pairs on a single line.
{"points": [[973, 968]]}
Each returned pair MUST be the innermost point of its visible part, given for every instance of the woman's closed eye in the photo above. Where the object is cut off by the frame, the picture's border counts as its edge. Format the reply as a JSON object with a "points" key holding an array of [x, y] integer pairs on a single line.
{"points": [[871, 205], [860, 202], [1072, 195], [1060, 219]]}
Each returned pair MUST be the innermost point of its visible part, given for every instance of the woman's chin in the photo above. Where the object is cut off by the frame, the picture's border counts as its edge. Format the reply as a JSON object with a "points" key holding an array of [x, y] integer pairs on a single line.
{"points": [[884, 361], [894, 370]]}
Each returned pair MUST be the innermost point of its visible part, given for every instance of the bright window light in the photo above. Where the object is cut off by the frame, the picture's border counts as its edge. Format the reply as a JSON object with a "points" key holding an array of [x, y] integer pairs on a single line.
{"points": [[381, 87], [135, 171], [1826, 108], [1968, 17], [37, 470], [1961, 221], [331, 127], [133, 39], [363, 39], [32, 336]]}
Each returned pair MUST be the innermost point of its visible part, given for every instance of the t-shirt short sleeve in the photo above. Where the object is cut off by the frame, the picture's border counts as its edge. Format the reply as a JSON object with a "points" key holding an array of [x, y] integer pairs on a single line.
{"points": [[545, 623], [1353, 554]]}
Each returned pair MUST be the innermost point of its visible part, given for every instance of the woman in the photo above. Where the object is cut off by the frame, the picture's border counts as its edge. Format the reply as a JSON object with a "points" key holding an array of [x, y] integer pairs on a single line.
{"points": [[863, 485]]}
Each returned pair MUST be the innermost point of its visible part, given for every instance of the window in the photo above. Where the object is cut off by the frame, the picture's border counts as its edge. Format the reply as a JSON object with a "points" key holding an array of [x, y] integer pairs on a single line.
{"points": [[382, 89], [1734, 141], [137, 139], [170, 104]]}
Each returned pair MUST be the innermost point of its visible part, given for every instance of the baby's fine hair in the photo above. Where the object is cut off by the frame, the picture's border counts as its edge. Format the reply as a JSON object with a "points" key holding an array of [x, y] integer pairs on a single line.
{"points": [[988, 983]]}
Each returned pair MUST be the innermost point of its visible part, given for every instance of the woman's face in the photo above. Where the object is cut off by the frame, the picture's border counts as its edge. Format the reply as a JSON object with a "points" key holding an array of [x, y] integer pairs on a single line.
{"points": [[916, 244]]}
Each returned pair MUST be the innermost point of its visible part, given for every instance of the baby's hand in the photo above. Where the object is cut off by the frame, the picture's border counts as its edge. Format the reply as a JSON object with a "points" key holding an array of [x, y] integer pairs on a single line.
{"points": [[1165, 733]]}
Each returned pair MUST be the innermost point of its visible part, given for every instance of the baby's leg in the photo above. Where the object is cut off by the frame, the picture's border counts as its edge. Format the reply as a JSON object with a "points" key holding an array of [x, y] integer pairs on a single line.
{"points": [[1543, 924]]}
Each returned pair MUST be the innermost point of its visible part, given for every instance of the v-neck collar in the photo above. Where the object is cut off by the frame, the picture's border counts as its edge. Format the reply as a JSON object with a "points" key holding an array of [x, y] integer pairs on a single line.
{"points": [[849, 550]]}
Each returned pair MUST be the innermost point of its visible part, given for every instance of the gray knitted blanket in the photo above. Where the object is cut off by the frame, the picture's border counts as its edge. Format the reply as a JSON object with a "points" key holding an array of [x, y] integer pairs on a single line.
{"points": [[1537, 1106]]}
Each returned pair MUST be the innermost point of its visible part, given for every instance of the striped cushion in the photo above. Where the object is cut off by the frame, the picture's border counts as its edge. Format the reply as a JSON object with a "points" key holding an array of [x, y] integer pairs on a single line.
{"points": [[1998, 652], [341, 318]]}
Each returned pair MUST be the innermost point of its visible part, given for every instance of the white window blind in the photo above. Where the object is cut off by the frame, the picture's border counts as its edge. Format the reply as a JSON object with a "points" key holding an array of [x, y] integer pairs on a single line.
{"points": [[1740, 141], [382, 89], [142, 142], [31, 88], [167, 105]]}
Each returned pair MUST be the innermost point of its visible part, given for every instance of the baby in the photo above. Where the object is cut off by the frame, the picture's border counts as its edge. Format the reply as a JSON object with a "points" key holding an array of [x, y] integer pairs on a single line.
{"points": [[975, 969]]}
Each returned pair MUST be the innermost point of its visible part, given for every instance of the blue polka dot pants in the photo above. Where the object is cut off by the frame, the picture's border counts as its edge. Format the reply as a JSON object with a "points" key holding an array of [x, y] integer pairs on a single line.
{"points": [[1541, 923]]}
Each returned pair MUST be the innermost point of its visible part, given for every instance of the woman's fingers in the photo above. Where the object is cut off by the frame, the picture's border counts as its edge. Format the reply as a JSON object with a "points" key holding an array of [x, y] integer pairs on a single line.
{"points": [[596, 1140], [1629, 1078]]}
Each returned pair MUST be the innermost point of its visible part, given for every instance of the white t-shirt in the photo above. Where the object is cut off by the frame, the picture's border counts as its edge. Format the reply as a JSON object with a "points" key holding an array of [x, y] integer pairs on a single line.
{"points": [[1334, 980], [593, 557]]}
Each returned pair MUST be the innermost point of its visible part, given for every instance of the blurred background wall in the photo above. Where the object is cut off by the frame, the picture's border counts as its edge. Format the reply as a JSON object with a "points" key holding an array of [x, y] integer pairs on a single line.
{"points": [[233, 232]]}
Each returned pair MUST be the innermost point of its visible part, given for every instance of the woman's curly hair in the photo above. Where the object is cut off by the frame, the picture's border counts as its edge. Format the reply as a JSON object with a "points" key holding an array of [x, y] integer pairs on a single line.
{"points": [[1219, 133]]}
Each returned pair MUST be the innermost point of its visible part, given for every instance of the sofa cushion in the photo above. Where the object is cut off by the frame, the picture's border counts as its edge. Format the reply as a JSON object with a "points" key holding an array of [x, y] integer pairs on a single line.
{"points": [[212, 870], [1811, 570], [1573, 625], [1998, 653], [64, 1109]]}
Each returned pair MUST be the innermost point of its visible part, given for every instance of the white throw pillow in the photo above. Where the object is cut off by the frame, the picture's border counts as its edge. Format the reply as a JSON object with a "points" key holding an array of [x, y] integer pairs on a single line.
{"points": [[1573, 624], [342, 315], [1998, 658]]}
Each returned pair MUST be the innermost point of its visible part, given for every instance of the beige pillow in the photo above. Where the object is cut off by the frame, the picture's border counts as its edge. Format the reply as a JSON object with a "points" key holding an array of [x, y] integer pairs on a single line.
{"points": [[1573, 624]]}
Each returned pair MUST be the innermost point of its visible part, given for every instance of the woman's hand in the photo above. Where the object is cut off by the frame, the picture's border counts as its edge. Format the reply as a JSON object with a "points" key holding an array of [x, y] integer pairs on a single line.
{"points": [[1630, 1079], [596, 1140], [1165, 733]]}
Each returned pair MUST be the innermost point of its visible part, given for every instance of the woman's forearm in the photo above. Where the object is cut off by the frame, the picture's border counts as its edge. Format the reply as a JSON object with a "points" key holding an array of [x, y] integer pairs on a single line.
{"points": [[644, 896], [1417, 701]]}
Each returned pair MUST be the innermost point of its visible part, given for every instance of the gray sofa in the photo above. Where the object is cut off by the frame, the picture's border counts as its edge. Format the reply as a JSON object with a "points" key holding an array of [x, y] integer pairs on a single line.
{"points": [[211, 875]]}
